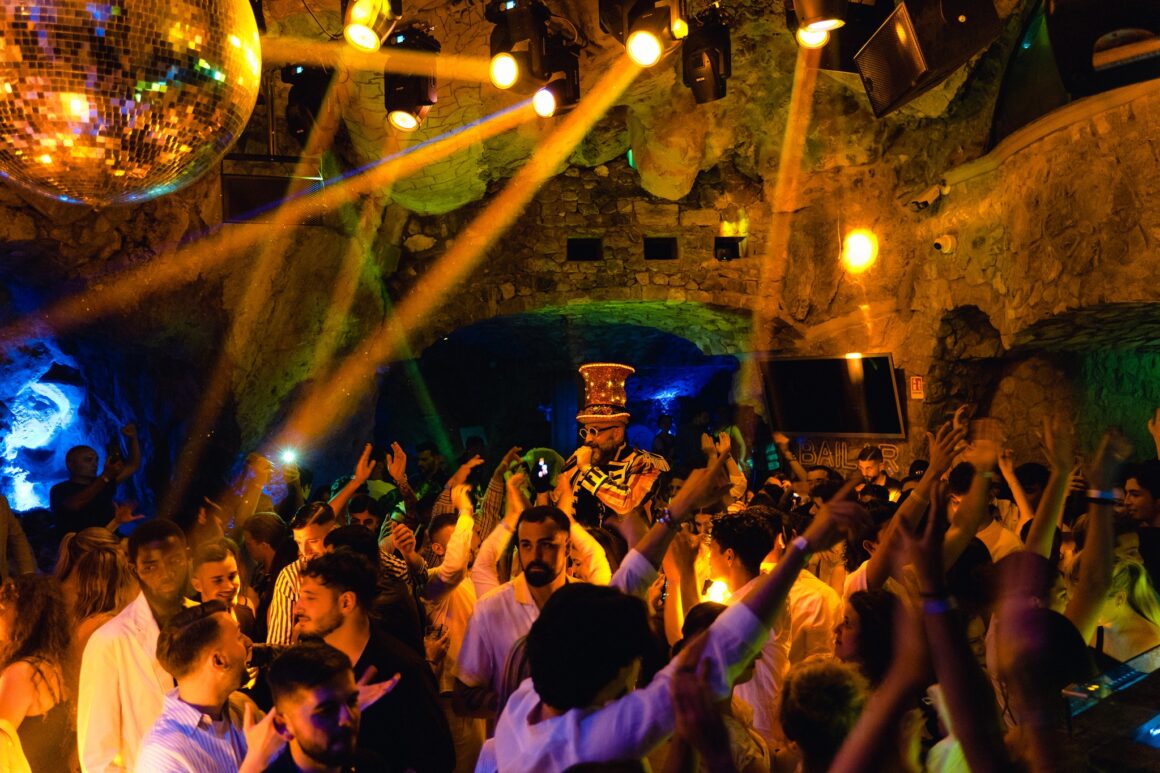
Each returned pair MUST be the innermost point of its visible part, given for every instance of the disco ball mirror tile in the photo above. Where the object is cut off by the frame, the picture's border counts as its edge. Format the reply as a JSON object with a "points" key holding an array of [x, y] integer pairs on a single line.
{"points": [[125, 100]]}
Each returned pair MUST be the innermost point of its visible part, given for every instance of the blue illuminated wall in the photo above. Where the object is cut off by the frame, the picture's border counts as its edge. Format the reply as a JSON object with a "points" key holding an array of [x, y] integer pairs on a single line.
{"points": [[40, 396]]}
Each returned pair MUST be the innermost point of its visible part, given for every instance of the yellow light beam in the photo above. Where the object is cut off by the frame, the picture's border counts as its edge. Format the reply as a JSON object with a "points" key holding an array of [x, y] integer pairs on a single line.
{"points": [[279, 50], [326, 405], [122, 292], [244, 320], [783, 202]]}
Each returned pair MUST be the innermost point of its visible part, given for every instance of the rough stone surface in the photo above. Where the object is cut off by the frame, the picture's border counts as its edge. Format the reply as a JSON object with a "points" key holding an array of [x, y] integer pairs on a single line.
{"points": [[1048, 238]]}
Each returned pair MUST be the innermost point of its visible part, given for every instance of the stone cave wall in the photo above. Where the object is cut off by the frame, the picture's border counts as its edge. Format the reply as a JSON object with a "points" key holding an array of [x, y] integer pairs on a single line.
{"points": [[1071, 220]]}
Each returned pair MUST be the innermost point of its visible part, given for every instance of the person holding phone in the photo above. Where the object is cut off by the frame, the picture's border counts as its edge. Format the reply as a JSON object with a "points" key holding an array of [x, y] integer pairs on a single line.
{"points": [[86, 498]]}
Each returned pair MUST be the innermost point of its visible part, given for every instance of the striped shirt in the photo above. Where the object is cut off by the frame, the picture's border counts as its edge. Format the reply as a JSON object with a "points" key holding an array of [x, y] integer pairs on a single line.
{"points": [[187, 740], [280, 622]]}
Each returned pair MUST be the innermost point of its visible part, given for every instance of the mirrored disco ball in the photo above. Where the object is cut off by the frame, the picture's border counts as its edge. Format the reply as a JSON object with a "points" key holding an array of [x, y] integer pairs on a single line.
{"points": [[118, 101]]}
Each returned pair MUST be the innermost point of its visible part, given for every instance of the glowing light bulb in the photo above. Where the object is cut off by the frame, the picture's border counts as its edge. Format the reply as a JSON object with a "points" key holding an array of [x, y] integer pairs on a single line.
{"points": [[718, 592], [544, 103], [505, 71], [361, 37], [812, 38], [860, 250], [644, 48], [853, 355], [288, 456], [680, 29], [403, 121]]}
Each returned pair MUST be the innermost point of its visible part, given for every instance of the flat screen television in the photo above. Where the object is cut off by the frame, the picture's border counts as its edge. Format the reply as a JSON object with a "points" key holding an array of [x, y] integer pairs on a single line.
{"points": [[848, 396]]}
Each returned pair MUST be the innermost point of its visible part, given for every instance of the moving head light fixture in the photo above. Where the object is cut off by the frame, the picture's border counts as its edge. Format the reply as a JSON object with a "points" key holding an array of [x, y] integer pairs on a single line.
{"points": [[519, 42], [706, 55], [408, 98], [562, 91], [366, 23], [647, 28]]}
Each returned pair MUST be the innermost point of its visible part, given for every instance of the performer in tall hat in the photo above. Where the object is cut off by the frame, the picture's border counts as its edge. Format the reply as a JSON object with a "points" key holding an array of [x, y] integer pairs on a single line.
{"points": [[606, 475]]}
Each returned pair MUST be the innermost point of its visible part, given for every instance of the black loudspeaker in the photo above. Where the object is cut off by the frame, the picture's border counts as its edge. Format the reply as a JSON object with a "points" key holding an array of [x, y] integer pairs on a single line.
{"points": [[1100, 45], [919, 45]]}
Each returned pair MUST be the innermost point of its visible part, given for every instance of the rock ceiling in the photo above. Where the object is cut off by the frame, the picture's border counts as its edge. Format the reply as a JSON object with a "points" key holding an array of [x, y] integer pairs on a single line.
{"points": [[672, 138]]}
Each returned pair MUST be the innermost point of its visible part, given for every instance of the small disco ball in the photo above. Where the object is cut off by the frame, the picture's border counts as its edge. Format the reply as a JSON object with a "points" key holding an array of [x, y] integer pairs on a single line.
{"points": [[119, 101]]}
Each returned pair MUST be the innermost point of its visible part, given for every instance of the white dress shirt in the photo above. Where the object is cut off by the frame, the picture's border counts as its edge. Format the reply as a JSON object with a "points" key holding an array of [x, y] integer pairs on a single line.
{"points": [[449, 599], [999, 540], [627, 728], [505, 615], [769, 672], [122, 689], [815, 609], [187, 740]]}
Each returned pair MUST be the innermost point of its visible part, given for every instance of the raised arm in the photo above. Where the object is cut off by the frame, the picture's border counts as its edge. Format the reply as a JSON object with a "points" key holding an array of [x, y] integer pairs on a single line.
{"points": [[1096, 558], [1007, 468], [362, 473], [396, 463], [781, 442], [698, 486], [681, 574], [1060, 447], [974, 716], [975, 509], [483, 572], [133, 462], [255, 475], [943, 445]]}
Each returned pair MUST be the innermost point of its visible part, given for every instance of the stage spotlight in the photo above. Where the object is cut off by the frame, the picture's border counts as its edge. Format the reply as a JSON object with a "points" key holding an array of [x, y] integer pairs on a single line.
{"points": [[863, 18], [646, 28], [706, 56], [408, 98], [368, 22], [504, 70], [812, 39], [308, 87], [563, 92], [519, 42], [821, 15]]}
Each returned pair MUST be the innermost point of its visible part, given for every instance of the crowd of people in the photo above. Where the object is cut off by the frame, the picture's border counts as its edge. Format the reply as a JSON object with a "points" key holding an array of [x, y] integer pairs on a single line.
{"points": [[604, 611]]}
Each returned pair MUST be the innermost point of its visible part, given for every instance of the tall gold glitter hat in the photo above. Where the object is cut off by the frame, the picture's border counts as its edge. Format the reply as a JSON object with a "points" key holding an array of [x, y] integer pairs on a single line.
{"points": [[604, 395]]}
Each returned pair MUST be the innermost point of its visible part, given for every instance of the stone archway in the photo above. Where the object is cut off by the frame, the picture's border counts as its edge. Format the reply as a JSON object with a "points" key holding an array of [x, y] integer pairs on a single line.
{"points": [[713, 328]]}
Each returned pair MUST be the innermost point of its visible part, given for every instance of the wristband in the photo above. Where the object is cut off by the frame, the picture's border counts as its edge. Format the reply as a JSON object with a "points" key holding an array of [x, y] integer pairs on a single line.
{"points": [[939, 606], [1098, 496], [801, 544], [666, 517]]}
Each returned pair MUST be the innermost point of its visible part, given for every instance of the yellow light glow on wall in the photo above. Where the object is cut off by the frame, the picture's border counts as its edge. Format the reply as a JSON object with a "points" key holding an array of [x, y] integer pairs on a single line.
{"points": [[859, 250]]}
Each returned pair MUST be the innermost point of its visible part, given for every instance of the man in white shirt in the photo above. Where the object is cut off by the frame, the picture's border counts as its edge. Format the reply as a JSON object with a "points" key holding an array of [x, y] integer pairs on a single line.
{"points": [[122, 686], [740, 541], [200, 730], [504, 616], [585, 653]]}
